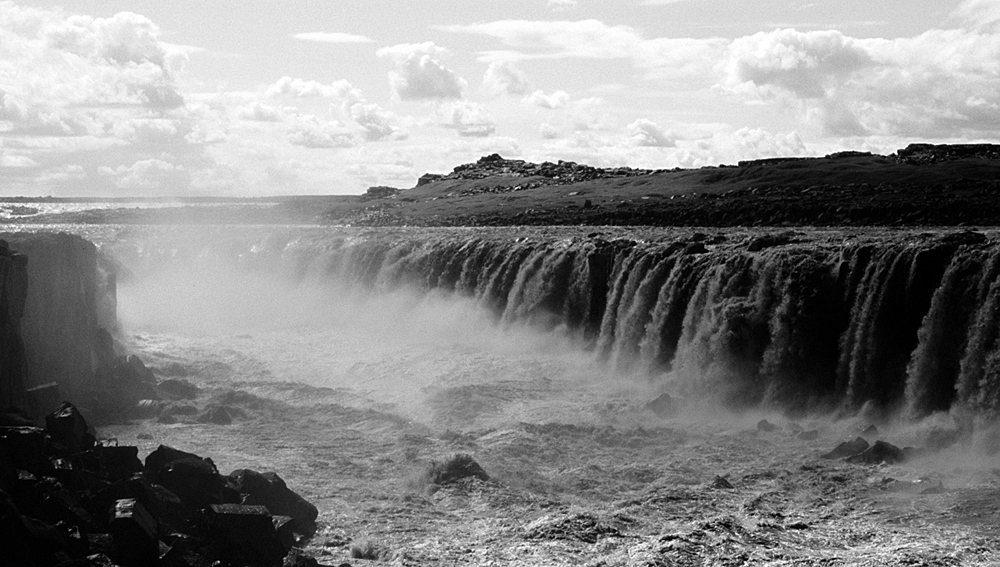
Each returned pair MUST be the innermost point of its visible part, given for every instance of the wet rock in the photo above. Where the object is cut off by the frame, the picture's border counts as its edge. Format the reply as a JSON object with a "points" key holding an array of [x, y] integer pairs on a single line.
{"points": [[766, 426], [23, 448], [118, 462], [133, 531], [664, 405], [196, 481], [164, 455], [870, 432], [456, 468], [758, 243], [219, 415], [179, 388], [160, 502], [269, 490], [243, 534], [720, 482], [297, 558], [880, 452], [582, 527], [67, 427], [847, 449], [695, 248]]}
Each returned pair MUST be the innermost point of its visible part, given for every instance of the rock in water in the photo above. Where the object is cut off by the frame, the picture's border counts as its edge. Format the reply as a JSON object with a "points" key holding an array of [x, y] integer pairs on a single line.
{"points": [[766, 426], [880, 452], [663, 406], [847, 449]]}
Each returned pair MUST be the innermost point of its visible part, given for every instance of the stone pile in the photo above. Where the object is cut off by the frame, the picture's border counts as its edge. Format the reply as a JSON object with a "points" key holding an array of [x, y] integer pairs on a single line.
{"points": [[559, 173], [68, 499], [920, 154]]}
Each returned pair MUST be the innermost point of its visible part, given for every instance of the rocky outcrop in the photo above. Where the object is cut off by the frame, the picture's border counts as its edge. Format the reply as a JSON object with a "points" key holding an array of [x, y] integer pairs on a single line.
{"points": [[13, 293], [920, 154], [66, 499], [68, 311], [548, 173]]}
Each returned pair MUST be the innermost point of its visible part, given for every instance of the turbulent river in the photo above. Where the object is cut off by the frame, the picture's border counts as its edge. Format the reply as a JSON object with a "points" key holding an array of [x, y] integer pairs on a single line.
{"points": [[353, 359]]}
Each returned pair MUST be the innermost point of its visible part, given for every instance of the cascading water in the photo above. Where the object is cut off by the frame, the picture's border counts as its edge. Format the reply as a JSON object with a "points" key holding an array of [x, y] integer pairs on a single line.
{"points": [[827, 320]]}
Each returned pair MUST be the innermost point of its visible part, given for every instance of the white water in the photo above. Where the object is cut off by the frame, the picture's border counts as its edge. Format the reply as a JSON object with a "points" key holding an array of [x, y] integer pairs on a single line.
{"points": [[391, 350]]}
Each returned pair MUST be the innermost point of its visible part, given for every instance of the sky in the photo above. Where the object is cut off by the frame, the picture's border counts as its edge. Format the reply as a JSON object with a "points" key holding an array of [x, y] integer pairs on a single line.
{"points": [[263, 98]]}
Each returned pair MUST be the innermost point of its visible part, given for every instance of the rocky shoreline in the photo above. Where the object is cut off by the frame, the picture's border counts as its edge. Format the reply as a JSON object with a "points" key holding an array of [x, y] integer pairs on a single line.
{"points": [[68, 498]]}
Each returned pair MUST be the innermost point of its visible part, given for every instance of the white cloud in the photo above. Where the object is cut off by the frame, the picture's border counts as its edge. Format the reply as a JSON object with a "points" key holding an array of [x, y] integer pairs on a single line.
{"points": [[420, 74], [376, 122], [257, 112], [552, 101], [503, 77], [16, 161], [645, 132], [589, 39], [562, 5], [548, 131], [287, 86], [938, 84], [809, 64], [315, 134], [149, 175], [982, 15], [332, 37], [468, 119]]}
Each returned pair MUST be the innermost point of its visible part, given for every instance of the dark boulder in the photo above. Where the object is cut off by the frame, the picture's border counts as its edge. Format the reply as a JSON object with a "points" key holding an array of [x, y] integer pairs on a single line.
{"points": [[243, 535], [23, 448], [847, 449], [663, 406], [196, 481], [133, 531], [178, 388], [809, 435], [164, 455], [880, 452], [766, 426], [67, 427], [219, 415], [269, 490]]}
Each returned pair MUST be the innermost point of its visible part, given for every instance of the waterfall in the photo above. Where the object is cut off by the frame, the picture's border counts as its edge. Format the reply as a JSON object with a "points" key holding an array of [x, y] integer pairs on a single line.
{"points": [[907, 322]]}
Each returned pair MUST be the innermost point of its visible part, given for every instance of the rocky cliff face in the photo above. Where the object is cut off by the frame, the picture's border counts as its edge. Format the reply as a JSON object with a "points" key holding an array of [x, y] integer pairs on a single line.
{"points": [[68, 310], [13, 293]]}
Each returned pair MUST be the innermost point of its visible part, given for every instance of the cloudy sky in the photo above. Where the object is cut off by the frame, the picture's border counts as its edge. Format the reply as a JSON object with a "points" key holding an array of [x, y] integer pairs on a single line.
{"points": [[258, 97]]}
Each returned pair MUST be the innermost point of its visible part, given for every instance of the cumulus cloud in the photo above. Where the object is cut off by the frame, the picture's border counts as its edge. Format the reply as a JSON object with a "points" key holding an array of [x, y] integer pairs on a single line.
{"points": [[287, 86], [562, 5], [420, 73], [982, 15], [589, 39], [16, 161], [375, 122], [552, 101], [941, 83], [645, 132], [548, 131], [57, 59], [149, 175], [315, 134], [332, 37], [808, 64], [257, 112], [468, 119], [503, 77]]}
